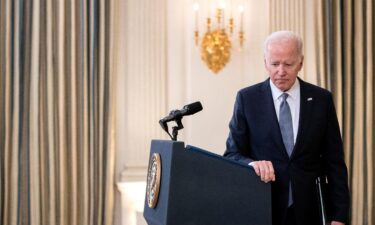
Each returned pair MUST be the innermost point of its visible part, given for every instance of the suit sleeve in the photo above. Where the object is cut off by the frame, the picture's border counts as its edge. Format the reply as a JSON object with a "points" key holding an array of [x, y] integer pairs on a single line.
{"points": [[335, 168], [237, 145]]}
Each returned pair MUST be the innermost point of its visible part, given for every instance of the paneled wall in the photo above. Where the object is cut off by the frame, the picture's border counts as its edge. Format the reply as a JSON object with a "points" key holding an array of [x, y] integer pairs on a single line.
{"points": [[141, 98], [142, 83]]}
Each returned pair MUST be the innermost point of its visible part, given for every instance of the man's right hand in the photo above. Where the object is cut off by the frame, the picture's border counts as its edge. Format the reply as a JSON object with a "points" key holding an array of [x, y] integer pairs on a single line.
{"points": [[264, 169]]}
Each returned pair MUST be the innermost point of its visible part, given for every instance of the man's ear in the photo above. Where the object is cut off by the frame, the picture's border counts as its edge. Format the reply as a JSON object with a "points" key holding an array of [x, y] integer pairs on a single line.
{"points": [[301, 63]]}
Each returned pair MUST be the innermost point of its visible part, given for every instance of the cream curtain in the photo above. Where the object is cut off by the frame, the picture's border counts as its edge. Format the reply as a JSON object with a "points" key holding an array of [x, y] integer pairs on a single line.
{"points": [[346, 47], [56, 110]]}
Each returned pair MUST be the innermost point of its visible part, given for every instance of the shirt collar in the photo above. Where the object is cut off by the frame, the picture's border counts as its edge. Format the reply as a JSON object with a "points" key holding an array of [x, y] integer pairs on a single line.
{"points": [[293, 92]]}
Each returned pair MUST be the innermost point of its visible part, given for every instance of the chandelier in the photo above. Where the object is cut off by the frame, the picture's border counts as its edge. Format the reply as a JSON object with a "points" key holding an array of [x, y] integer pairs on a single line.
{"points": [[216, 42]]}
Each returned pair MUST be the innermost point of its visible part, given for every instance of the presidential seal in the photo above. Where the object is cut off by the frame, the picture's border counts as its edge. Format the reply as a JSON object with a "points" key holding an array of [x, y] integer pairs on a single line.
{"points": [[153, 180]]}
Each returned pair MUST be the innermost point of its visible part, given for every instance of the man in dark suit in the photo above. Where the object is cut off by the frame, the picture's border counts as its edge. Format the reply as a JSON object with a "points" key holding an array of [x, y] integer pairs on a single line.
{"points": [[287, 129]]}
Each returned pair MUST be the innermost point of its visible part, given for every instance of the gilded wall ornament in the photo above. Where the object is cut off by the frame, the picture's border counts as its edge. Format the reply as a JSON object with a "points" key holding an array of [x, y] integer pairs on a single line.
{"points": [[215, 50]]}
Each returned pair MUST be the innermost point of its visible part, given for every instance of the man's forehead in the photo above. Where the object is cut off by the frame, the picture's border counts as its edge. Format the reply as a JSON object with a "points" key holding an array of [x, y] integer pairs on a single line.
{"points": [[282, 49], [277, 58], [280, 60], [283, 54]]}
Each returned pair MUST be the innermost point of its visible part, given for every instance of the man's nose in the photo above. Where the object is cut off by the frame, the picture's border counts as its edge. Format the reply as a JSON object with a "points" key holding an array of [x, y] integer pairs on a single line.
{"points": [[281, 69]]}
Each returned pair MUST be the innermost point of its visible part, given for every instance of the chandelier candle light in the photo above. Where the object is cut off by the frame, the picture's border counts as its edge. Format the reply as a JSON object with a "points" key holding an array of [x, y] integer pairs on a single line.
{"points": [[216, 43]]}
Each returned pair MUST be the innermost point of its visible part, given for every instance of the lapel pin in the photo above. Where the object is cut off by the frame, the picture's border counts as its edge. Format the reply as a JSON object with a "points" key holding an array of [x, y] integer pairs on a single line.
{"points": [[309, 99]]}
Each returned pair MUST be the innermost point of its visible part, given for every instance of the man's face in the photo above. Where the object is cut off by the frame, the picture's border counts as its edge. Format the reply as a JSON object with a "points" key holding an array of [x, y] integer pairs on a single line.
{"points": [[283, 63]]}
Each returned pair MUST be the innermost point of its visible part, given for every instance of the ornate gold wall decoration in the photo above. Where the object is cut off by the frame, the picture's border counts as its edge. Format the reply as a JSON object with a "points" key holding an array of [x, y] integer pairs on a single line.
{"points": [[215, 50], [216, 45]]}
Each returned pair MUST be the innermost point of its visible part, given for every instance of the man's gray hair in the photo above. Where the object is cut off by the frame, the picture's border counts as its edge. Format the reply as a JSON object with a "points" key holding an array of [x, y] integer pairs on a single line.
{"points": [[283, 35]]}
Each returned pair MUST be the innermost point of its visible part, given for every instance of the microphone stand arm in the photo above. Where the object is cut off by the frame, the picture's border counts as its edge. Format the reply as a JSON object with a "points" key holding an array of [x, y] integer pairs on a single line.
{"points": [[176, 128]]}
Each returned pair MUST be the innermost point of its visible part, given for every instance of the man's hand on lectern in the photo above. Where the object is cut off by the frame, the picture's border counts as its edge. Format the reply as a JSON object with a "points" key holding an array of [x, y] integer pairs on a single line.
{"points": [[264, 169]]}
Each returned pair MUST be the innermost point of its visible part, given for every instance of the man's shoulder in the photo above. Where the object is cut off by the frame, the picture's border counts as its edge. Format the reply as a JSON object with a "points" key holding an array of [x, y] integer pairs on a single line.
{"points": [[252, 89], [314, 88]]}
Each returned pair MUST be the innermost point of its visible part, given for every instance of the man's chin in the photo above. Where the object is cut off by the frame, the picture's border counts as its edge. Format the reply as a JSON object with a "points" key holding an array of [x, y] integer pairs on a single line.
{"points": [[282, 87]]}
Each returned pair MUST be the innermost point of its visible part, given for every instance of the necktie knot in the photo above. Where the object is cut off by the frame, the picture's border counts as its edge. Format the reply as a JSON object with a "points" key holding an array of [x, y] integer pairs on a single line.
{"points": [[284, 96]]}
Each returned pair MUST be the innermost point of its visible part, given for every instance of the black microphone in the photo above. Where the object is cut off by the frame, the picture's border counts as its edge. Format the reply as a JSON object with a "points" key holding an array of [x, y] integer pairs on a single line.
{"points": [[185, 111]]}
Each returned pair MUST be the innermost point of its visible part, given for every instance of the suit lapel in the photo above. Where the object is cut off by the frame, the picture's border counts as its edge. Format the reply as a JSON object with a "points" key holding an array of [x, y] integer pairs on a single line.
{"points": [[306, 103], [270, 113]]}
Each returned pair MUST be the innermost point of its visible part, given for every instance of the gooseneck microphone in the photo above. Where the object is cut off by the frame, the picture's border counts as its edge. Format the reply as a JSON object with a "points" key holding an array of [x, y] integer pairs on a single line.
{"points": [[176, 115], [185, 111]]}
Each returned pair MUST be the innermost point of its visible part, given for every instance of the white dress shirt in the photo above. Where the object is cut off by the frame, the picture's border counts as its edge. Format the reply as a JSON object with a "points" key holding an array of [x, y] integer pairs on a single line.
{"points": [[293, 101]]}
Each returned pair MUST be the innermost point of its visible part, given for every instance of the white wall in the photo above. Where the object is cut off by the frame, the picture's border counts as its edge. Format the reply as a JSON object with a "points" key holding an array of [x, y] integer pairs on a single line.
{"points": [[160, 69], [190, 80]]}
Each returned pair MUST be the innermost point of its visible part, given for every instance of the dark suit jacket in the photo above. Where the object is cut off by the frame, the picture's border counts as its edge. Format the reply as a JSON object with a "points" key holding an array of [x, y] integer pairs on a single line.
{"points": [[255, 135]]}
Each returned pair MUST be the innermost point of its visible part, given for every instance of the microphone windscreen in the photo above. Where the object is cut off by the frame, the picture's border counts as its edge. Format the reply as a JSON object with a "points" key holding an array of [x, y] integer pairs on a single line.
{"points": [[193, 108]]}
